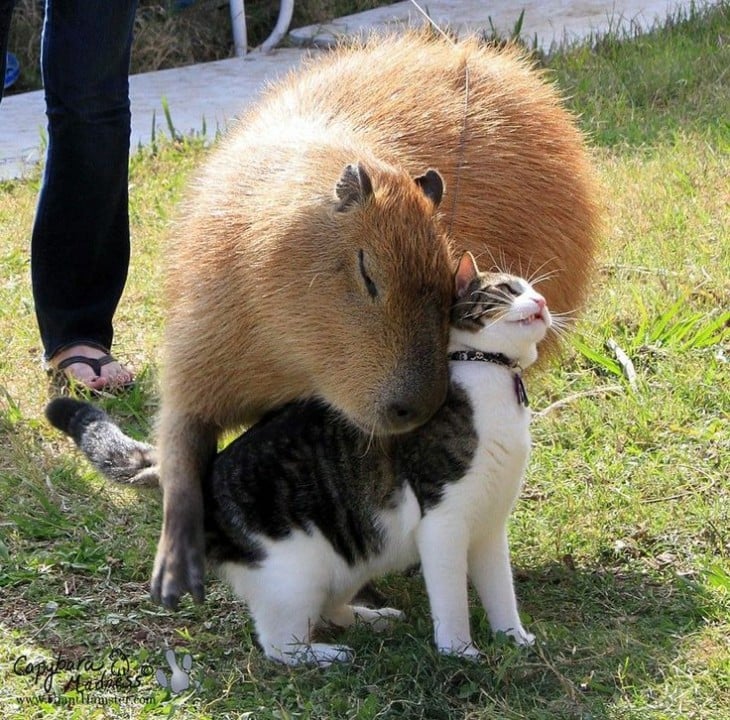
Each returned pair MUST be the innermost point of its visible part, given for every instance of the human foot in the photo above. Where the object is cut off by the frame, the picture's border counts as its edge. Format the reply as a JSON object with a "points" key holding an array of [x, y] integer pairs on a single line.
{"points": [[91, 367]]}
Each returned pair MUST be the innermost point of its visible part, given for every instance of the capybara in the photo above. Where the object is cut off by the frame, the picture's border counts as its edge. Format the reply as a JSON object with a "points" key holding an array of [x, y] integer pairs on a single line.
{"points": [[309, 263]]}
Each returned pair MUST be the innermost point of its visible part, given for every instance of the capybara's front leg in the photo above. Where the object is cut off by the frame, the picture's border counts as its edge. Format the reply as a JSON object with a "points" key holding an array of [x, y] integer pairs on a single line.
{"points": [[186, 446]]}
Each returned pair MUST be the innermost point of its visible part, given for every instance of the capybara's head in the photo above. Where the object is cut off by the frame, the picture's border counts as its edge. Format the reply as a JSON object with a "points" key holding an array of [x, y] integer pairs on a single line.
{"points": [[374, 319]]}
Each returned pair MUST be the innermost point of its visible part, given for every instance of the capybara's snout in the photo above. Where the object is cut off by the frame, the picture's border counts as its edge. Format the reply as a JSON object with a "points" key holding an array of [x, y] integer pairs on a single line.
{"points": [[417, 387], [407, 411], [398, 378]]}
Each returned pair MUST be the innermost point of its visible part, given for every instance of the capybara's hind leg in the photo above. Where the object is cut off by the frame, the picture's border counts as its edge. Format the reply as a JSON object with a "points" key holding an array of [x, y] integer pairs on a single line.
{"points": [[186, 447]]}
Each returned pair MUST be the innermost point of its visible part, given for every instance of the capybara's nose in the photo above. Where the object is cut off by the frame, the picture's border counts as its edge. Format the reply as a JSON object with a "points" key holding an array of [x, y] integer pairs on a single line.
{"points": [[405, 415]]}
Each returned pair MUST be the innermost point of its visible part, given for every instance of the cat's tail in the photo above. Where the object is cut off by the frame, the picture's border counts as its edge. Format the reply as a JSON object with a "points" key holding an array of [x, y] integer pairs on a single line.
{"points": [[116, 455]]}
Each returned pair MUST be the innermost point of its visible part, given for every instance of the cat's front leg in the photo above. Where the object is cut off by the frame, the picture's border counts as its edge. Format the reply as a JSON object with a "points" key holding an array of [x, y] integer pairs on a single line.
{"points": [[491, 572], [442, 546]]}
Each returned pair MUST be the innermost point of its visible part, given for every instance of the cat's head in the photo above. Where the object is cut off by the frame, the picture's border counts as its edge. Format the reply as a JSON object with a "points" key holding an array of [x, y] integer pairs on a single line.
{"points": [[497, 313]]}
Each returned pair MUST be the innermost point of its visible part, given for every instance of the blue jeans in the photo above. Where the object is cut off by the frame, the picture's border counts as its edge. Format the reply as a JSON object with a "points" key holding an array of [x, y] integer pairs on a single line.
{"points": [[6, 10], [80, 242]]}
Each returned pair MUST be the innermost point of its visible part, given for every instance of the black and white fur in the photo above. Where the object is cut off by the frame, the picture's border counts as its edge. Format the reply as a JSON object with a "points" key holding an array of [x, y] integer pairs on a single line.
{"points": [[303, 509]]}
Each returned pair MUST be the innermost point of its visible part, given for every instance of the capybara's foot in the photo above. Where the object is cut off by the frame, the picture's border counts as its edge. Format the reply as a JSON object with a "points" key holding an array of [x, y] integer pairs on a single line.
{"points": [[179, 568]]}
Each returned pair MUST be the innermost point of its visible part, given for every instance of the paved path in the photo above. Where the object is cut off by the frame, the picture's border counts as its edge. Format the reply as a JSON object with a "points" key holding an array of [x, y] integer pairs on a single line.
{"points": [[209, 95]]}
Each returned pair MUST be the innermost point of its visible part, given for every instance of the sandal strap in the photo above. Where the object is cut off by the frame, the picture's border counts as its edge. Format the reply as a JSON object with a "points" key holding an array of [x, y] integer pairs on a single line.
{"points": [[94, 363]]}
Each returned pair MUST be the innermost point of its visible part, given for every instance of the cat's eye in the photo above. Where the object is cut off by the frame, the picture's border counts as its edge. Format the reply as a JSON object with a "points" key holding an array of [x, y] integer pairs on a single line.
{"points": [[507, 289], [371, 287]]}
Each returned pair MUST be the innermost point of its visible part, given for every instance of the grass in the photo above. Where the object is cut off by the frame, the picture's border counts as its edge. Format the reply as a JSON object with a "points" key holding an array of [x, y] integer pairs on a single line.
{"points": [[634, 91], [620, 541]]}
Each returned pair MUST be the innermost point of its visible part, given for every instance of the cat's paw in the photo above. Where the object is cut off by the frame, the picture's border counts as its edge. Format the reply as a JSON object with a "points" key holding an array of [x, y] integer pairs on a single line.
{"points": [[468, 651], [378, 619], [312, 654], [520, 636]]}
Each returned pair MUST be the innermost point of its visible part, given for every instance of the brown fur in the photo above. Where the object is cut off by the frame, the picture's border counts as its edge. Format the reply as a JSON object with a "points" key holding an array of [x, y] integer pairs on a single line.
{"points": [[526, 194], [266, 301]]}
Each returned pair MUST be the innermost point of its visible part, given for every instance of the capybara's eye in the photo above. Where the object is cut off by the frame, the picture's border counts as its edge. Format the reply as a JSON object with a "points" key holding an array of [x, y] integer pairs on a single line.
{"points": [[372, 288]]}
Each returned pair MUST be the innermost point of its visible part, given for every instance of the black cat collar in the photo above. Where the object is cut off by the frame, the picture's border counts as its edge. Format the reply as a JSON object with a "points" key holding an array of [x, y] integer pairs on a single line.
{"points": [[497, 359]]}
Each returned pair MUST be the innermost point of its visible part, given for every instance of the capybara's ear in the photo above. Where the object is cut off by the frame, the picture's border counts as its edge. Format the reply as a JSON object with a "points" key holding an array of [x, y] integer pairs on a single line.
{"points": [[353, 187], [432, 185], [465, 274]]}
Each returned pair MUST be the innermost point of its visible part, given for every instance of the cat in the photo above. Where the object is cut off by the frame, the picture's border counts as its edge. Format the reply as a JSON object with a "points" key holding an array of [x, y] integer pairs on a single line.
{"points": [[304, 508]]}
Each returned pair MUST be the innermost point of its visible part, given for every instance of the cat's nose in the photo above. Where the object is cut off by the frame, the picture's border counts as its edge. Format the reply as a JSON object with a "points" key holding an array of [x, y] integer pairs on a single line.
{"points": [[540, 301]]}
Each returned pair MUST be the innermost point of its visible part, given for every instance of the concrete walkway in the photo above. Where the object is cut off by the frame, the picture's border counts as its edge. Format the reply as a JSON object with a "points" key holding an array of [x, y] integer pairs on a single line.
{"points": [[211, 94]]}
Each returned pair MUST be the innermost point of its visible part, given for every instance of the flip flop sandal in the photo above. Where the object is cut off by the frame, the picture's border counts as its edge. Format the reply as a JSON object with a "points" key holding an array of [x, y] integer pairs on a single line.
{"points": [[96, 365]]}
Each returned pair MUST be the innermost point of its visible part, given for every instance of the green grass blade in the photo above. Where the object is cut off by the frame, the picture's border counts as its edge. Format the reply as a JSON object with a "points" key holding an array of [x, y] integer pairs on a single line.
{"points": [[597, 357], [715, 332], [657, 331]]}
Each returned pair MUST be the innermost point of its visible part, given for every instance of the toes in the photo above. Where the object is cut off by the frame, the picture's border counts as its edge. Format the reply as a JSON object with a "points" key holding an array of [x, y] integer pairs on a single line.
{"points": [[171, 599], [114, 375], [167, 590], [172, 578], [111, 373], [83, 375], [156, 582], [524, 638], [198, 592], [520, 636], [96, 383], [467, 652], [380, 619]]}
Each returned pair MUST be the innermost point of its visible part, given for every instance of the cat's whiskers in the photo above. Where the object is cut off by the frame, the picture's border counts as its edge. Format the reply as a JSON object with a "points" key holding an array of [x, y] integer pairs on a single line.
{"points": [[497, 265], [559, 331], [538, 279], [563, 319], [371, 438], [487, 251], [535, 278], [521, 272], [495, 293], [494, 301], [498, 317], [589, 336], [463, 303], [561, 324], [498, 297], [498, 309], [478, 312]]}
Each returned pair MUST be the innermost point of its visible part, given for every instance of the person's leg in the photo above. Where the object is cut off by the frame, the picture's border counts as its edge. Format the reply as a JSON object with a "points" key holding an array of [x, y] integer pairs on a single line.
{"points": [[80, 242], [6, 11]]}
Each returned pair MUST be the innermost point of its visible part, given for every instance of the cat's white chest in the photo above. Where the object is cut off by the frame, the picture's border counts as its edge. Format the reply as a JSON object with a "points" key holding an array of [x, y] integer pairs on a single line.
{"points": [[502, 425]]}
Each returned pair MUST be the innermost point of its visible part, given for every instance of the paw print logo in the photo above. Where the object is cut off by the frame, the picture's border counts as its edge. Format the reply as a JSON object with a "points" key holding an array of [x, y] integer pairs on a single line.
{"points": [[179, 680]]}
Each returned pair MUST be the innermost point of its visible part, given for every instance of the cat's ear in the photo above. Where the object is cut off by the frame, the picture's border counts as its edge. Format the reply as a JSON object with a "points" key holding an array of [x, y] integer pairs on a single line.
{"points": [[353, 187], [466, 273], [432, 185]]}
